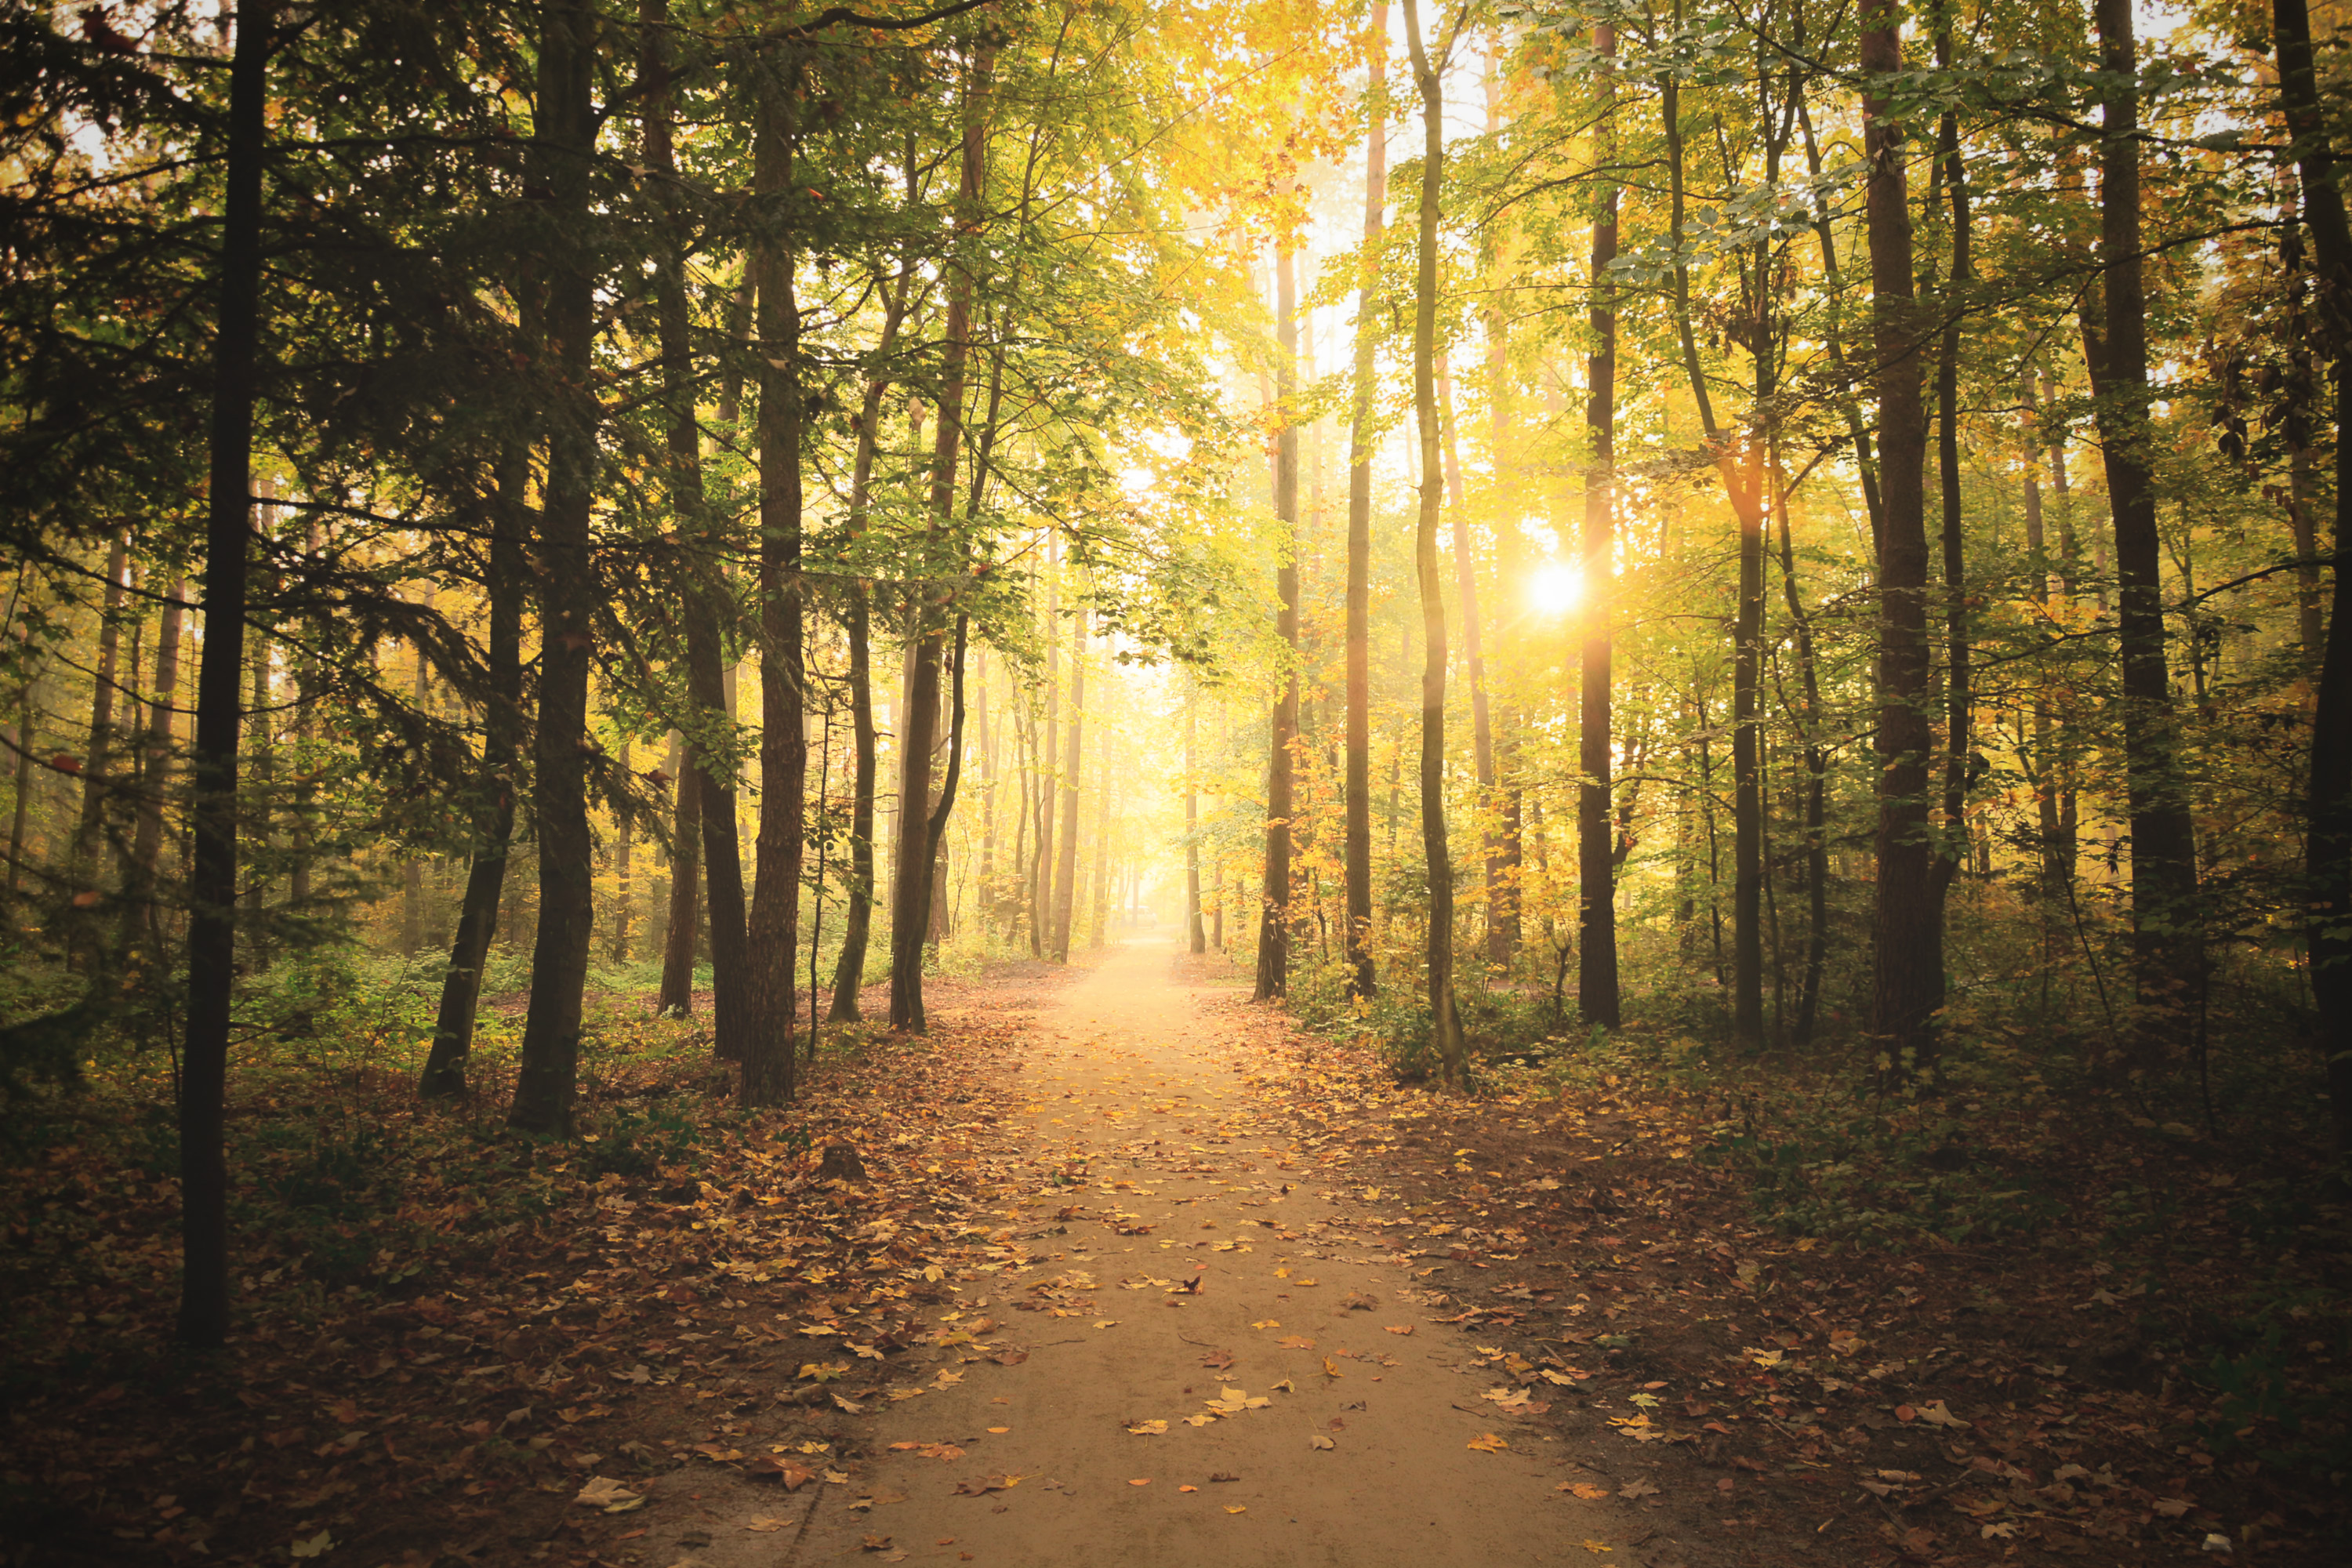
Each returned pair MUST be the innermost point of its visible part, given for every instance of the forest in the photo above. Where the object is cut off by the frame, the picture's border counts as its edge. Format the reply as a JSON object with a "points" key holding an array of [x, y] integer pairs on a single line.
{"points": [[666, 660]]}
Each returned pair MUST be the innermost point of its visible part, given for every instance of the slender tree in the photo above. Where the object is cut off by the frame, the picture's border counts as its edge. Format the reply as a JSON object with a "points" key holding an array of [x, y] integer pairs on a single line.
{"points": [[1446, 1023], [1596, 860], [1360, 441], [1273, 927]]}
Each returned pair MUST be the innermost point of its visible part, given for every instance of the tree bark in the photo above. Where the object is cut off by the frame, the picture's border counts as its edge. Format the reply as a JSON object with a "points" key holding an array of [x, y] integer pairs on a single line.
{"points": [[1957, 711], [1596, 861], [1474, 661], [548, 1074], [770, 1059], [505, 588], [2328, 845], [142, 928], [1273, 929], [212, 924], [1907, 984], [910, 891], [2167, 937], [677, 997], [1358, 784], [1066, 842], [1196, 939], [1445, 1025], [83, 941], [857, 622]]}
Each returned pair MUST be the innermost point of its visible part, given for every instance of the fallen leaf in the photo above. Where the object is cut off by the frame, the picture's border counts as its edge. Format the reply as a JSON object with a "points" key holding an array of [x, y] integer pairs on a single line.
{"points": [[1321, 1441], [1149, 1428], [1296, 1342], [1265, 1323], [764, 1526], [1937, 1415], [1141, 1481], [1585, 1489], [1237, 1508], [1329, 1370], [1488, 1443], [1637, 1488], [877, 1543], [603, 1491], [1405, 1330], [318, 1545]]}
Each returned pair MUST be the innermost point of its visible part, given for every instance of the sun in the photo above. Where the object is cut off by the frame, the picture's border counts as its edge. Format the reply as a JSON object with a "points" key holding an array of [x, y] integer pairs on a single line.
{"points": [[1554, 589]]}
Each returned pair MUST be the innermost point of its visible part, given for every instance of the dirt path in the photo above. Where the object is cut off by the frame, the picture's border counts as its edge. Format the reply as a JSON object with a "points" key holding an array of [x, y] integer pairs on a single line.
{"points": [[1181, 1237]]}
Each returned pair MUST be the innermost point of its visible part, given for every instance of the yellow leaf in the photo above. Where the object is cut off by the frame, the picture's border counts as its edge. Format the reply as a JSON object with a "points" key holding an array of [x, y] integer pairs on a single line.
{"points": [[1488, 1443]]}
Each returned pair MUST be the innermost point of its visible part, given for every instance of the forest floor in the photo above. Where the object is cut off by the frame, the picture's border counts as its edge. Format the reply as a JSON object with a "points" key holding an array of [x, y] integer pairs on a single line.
{"points": [[1122, 1269]]}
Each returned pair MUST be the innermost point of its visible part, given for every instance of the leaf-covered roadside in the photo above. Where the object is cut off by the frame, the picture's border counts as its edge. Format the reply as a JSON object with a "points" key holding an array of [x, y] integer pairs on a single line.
{"points": [[448, 1332], [2139, 1343]]}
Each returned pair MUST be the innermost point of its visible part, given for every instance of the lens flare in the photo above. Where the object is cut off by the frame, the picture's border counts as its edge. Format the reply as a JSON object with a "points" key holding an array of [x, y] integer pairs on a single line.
{"points": [[1555, 589]]}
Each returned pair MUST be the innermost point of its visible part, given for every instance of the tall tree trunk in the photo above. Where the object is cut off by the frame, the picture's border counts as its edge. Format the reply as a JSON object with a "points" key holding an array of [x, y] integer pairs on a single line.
{"points": [[505, 588], [1195, 938], [411, 871], [856, 623], [2328, 847], [1041, 871], [1359, 785], [1741, 467], [142, 927], [1273, 929], [1474, 659], [2054, 823], [1958, 712], [1096, 910], [770, 1059], [1445, 1025], [706, 883], [1066, 843], [1817, 769], [1596, 861], [622, 868], [549, 1075], [911, 904], [1907, 984], [212, 920], [89, 832], [2166, 936]]}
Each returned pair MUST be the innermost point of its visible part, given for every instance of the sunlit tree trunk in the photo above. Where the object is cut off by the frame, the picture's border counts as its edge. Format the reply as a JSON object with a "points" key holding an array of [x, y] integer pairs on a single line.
{"points": [[1195, 938], [1473, 664], [1596, 862], [1066, 841], [1358, 781], [1273, 929], [1445, 1025]]}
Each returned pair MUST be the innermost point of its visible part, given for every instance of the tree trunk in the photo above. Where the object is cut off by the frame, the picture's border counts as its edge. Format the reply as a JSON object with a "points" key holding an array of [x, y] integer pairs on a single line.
{"points": [[1817, 769], [1445, 1025], [1195, 938], [856, 623], [1907, 986], [1596, 863], [2167, 938], [1066, 843], [212, 922], [411, 871], [1482, 731], [141, 926], [1953, 851], [910, 891], [676, 998], [549, 1075], [1273, 929], [505, 588], [89, 832], [1359, 785], [770, 1059], [2328, 847]]}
